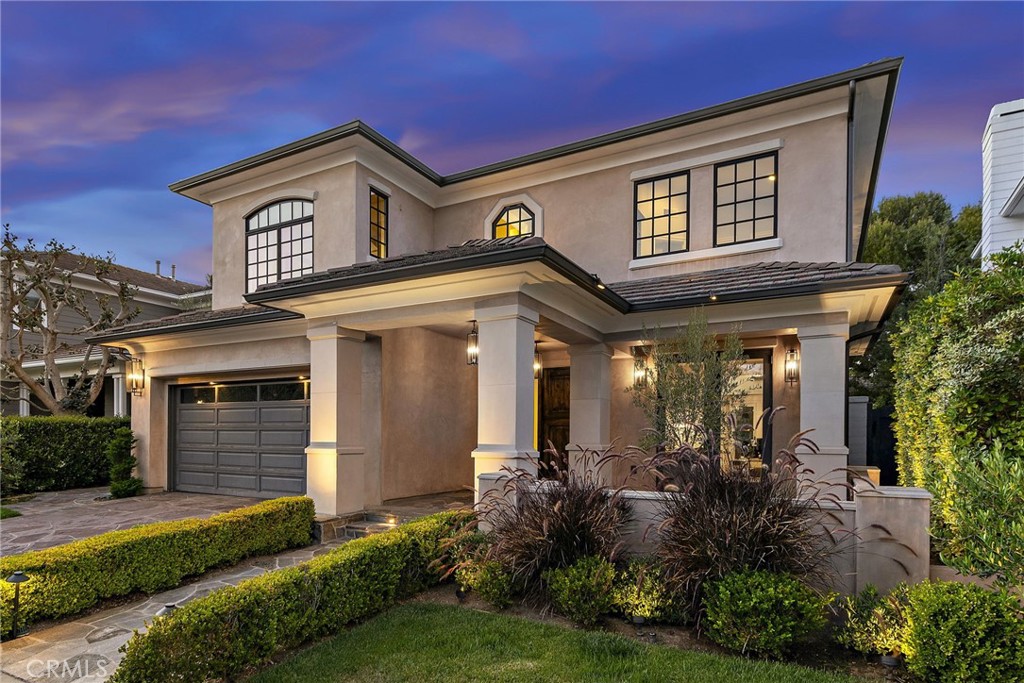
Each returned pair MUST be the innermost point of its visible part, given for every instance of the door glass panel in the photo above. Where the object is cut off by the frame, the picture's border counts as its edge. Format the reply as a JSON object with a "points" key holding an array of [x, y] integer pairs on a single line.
{"points": [[236, 394], [198, 395], [289, 391]]}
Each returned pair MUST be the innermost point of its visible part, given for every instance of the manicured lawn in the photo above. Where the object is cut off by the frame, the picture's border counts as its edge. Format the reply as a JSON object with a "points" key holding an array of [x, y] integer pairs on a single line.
{"points": [[425, 642], [8, 512]]}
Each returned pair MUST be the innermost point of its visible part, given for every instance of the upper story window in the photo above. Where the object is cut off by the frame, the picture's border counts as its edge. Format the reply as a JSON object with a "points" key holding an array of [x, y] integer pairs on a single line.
{"points": [[746, 200], [513, 221], [662, 215], [279, 242], [378, 224]]}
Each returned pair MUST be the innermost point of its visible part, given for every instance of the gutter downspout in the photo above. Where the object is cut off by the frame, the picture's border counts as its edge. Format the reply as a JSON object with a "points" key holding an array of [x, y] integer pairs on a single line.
{"points": [[849, 171]]}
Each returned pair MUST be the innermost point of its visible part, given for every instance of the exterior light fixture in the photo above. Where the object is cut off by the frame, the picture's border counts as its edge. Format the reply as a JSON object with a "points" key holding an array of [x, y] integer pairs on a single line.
{"points": [[792, 366], [597, 281], [713, 297], [167, 610], [473, 346], [641, 367], [17, 578], [538, 362], [136, 375]]}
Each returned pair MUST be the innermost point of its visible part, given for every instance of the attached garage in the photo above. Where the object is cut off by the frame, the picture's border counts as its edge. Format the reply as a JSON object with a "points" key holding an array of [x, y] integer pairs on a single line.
{"points": [[241, 438]]}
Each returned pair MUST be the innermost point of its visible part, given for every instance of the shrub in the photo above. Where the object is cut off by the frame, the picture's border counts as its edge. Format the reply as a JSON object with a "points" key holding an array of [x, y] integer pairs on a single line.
{"points": [[490, 580], [540, 525], [69, 578], [959, 632], [957, 360], [874, 624], [762, 613], [640, 591], [230, 631], [55, 453], [718, 522], [122, 463], [583, 591], [989, 512]]}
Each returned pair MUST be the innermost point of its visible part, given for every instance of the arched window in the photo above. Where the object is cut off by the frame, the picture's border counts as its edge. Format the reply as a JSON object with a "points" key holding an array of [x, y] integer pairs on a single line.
{"points": [[279, 242], [513, 221]]}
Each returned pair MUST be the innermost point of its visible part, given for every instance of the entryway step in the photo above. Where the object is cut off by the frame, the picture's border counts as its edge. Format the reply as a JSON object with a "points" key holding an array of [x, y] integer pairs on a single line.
{"points": [[356, 525]]}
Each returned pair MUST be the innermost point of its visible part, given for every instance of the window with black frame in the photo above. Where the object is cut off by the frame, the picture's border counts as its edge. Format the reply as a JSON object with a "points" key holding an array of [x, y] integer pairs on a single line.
{"points": [[513, 221], [661, 209], [746, 200], [378, 224], [279, 242]]}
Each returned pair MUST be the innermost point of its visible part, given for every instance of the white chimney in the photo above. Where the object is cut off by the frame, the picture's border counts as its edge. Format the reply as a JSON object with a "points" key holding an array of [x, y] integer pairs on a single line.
{"points": [[174, 268]]}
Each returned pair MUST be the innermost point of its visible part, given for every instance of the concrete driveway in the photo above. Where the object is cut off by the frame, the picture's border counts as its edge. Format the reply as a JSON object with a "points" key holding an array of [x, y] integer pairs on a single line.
{"points": [[50, 519]]}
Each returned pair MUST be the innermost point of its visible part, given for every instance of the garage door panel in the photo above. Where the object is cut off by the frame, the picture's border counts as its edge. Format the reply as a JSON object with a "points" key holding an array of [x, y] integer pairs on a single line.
{"points": [[197, 478], [193, 458], [197, 437], [282, 461], [229, 480], [236, 415], [293, 485], [235, 459], [289, 414], [241, 448], [189, 415], [283, 437], [237, 437]]}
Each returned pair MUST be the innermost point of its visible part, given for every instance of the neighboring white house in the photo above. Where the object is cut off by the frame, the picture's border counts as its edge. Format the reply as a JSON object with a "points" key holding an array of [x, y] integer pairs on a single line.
{"points": [[1002, 206], [352, 283]]}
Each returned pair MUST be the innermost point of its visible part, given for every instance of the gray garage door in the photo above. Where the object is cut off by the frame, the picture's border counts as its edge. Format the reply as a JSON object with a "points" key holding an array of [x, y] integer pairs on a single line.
{"points": [[242, 439]]}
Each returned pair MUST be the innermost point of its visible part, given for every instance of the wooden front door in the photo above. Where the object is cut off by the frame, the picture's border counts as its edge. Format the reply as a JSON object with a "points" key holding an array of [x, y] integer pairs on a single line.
{"points": [[554, 415]]}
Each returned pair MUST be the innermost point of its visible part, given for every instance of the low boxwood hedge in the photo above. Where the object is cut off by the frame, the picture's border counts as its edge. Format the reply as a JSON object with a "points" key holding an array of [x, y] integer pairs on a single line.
{"points": [[69, 578], [55, 453], [222, 635]]}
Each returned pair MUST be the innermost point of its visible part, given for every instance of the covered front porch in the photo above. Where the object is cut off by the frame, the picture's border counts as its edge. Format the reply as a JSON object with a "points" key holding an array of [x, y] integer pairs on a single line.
{"points": [[401, 405]]}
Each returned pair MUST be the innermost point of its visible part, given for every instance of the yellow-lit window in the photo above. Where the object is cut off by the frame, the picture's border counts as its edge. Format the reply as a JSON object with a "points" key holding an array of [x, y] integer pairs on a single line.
{"points": [[378, 224], [662, 207], [746, 200], [513, 221]]}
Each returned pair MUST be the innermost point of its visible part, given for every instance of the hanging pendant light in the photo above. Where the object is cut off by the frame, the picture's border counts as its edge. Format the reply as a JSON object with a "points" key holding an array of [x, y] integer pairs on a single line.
{"points": [[473, 346], [538, 361]]}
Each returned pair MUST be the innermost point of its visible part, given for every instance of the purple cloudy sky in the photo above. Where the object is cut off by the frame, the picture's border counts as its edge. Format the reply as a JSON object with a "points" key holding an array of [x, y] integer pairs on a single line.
{"points": [[103, 105]]}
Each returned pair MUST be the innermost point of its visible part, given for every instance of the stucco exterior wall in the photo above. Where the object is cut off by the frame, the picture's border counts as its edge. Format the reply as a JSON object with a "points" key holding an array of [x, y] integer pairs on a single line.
{"points": [[428, 415], [589, 218], [410, 221]]}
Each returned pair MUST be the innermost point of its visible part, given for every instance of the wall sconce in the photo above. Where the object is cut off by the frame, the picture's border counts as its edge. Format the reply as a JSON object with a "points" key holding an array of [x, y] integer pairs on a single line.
{"points": [[136, 375], [792, 366], [538, 362], [641, 365], [473, 346]]}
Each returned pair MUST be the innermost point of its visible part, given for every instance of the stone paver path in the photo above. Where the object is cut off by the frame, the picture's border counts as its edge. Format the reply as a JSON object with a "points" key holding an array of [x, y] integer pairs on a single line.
{"points": [[85, 650], [51, 519]]}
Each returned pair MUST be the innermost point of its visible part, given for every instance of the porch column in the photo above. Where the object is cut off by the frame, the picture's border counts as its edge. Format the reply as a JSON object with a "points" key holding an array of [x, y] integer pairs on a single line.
{"points": [[120, 396], [335, 458], [24, 396], [590, 400], [823, 397], [505, 390]]}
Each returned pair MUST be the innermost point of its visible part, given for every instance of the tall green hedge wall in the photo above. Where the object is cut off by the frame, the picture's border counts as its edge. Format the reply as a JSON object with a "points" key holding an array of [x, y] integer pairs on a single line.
{"points": [[959, 373], [55, 453]]}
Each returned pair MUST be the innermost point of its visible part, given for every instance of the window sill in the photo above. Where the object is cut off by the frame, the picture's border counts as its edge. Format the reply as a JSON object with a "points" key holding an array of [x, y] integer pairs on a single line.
{"points": [[716, 252]]}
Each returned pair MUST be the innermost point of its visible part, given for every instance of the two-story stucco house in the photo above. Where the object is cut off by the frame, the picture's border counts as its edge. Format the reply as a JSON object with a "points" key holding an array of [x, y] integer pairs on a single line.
{"points": [[380, 331]]}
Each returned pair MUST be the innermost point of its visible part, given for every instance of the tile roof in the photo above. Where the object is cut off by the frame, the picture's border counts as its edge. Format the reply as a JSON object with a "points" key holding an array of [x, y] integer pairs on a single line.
{"points": [[134, 277], [753, 281], [224, 317]]}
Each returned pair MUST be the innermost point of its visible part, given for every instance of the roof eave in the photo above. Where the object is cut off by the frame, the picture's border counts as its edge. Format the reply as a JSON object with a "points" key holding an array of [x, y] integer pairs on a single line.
{"points": [[536, 253], [249, 319], [897, 280]]}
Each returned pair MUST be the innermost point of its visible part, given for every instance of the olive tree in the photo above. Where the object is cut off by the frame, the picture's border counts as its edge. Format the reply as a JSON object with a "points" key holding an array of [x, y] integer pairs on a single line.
{"points": [[46, 312]]}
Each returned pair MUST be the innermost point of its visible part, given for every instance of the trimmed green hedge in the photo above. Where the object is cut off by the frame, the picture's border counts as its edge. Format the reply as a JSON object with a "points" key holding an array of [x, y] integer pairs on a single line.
{"points": [[55, 453], [232, 630], [69, 578]]}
